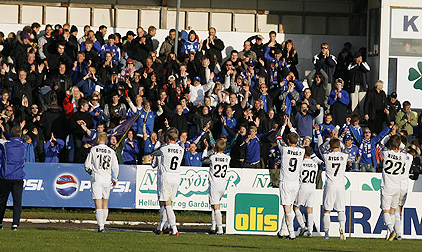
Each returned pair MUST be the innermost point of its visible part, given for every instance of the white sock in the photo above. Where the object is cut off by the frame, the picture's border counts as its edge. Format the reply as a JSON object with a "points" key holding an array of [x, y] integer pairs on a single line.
{"points": [[342, 220], [387, 222], [397, 223], [171, 218], [100, 219], [299, 217], [213, 222], [105, 213], [289, 221], [219, 220], [163, 218], [310, 222], [283, 225], [326, 220]]}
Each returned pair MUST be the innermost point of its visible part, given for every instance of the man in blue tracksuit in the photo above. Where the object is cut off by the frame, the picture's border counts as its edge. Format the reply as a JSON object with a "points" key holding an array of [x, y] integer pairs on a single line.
{"points": [[253, 148], [12, 160]]}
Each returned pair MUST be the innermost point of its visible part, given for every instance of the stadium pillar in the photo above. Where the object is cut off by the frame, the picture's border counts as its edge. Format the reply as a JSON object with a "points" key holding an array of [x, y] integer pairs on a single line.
{"points": [[176, 42]]}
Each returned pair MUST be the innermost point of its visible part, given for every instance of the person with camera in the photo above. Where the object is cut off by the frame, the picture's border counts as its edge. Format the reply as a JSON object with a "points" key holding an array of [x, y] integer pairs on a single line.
{"points": [[89, 83], [52, 149]]}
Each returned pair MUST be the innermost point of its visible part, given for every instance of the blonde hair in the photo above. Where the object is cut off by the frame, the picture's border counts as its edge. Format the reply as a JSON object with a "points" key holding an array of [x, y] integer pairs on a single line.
{"points": [[102, 138], [220, 145], [173, 134]]}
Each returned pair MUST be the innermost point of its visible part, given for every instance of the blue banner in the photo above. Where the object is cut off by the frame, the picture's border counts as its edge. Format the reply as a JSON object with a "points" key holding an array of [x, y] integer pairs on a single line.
{"points": [[68, 185]]}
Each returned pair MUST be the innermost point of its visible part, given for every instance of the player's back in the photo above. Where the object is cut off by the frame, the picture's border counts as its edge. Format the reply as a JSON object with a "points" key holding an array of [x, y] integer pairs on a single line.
{"points": [[101, 160], [404, 176], [335, 165], [291, 163], [219, 164], [308, 173], [393, 164], [171, 158]]}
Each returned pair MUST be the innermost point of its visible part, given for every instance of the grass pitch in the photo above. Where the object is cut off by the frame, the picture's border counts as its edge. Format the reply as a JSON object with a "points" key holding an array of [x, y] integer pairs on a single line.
{"points": [[58, 239]]}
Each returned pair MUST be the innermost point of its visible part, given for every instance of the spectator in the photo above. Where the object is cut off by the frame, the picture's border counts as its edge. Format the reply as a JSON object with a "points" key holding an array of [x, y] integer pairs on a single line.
{"points": [[251, 146], [25, 85], [95, 109], [327, 62], [99, 35], [374, 108], [358, 82], [71, 101], [318, 86], [193, 158], [151, 143], [59, 57], [149, 116], [327, 127], [344, 59], [61, 82], [90, 82], [114, 112], [12, 154], [406, 120], [258, 47], [353, 121], [96, 45], [131, 149], [213, 46], [393, 106], [247, 52], [168, 45], [304, 120], [338, 101], [91, 55], [290, 57], [44, 43], [354, 158], [111, 47], [30, 145], [52, 149], [192, 45], [81, 116]]}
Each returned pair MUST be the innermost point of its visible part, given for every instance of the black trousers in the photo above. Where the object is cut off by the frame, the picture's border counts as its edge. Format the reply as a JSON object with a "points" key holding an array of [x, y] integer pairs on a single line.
{"points": [[16, 187]]}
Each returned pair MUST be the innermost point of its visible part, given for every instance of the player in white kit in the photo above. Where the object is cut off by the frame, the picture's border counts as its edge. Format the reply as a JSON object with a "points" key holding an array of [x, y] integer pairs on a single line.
{"points": [[163, 224], [291, 162], [404, 183], [393, 165], [100, 163], [334, 196], [170, 157], [219, 164], [306, 194]]}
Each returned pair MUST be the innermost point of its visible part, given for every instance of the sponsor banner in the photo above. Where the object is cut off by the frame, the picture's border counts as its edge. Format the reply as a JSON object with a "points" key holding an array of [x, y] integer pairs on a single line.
{"points": [[193, 189], [258, 211], [409, 72], [406, 23], [68, 185]]}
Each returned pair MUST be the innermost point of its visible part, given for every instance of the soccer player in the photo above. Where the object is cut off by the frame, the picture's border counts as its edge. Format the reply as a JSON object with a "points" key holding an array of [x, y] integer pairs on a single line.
{"points": [[404, 183], [100, 163], [334, 196], [393, 162], [306, 194], [291, 161], [219, 163], [170, 157]]}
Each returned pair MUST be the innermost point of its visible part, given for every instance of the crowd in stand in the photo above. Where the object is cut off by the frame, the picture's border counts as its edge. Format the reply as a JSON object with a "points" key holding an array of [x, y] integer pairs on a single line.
{"points": [[63, 87]]}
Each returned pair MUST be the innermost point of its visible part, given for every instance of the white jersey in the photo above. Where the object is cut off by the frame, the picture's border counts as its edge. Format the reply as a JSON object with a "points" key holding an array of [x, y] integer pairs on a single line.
{"points": [[335, 164], [308, 173], [393, 166], [101, 161], [219, 163], [404, 176], [291, 163], [170, 157]]}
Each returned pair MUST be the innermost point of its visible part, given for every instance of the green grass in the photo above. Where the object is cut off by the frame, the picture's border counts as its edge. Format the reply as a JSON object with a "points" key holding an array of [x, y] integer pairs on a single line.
{"points": [[114, 215], [55, 239]]}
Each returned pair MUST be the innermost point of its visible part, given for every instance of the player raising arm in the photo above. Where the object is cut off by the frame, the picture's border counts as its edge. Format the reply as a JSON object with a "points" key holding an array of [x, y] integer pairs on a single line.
{"points": [[100, 163], [291, 162], [306, 194], [219, 163], [169, 156], [334, 196]]}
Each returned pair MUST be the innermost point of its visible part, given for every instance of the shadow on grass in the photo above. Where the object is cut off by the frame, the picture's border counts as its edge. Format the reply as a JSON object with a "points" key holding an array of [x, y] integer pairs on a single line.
{"points": [[215, 245], [49, 228]]}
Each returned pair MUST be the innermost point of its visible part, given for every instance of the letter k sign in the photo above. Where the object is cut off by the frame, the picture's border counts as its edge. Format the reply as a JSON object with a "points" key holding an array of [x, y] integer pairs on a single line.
{"points": [[410, 22]]}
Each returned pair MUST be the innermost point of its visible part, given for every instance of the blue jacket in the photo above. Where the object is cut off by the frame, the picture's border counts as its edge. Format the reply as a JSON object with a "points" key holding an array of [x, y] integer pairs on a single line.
{"points": [[113, 49], [87, 86], [29, 153], [96, 47], [189, 46], [372, 143], [149, 123], [52, 152], [193, 159], [129, 153], [12, 159]]}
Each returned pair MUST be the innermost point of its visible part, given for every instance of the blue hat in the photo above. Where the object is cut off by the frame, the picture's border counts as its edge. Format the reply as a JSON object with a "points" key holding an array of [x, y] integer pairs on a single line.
{"points": [[197, 78], [251, 63], [273, 61], [219, 79], [348, 137]]}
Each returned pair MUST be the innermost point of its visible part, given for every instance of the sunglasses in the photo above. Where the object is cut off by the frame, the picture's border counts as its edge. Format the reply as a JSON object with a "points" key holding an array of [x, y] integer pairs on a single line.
{"points": [[324, 47], [229, 65], [9, 110], [94, 99]]}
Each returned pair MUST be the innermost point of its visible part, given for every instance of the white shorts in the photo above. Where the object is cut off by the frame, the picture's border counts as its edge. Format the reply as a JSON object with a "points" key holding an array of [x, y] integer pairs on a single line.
{"points": [[288, 192], [403, 196], [305, 196], [158, 185], [100, 189], [334, 197], [389, 198], [216, 192], [169, 186]]}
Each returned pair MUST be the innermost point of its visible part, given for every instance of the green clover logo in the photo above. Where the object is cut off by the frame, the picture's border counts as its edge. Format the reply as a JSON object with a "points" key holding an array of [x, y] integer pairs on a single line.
{"points": [[415, 75], [376, 185]]}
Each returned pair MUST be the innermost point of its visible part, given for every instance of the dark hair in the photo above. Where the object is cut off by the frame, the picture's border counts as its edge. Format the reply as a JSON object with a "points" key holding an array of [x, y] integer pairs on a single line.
{"points": [[16, 131], [354, 117], [394, 142], [35, 25], [111, 36], [233, 51], [293, 138], [82, 102], [334, 143], [308, 151], [102, 27], [406, 103]]}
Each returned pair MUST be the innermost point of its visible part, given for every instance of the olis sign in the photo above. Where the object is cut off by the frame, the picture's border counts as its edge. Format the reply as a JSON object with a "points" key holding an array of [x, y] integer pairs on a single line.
{"points": [[406, 23]]}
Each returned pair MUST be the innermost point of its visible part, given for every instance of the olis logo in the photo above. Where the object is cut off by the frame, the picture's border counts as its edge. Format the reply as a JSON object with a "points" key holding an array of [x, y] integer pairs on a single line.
{"points": [[256, 212], [415, 75]]}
